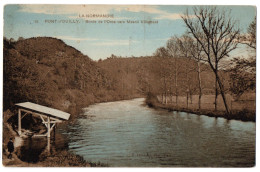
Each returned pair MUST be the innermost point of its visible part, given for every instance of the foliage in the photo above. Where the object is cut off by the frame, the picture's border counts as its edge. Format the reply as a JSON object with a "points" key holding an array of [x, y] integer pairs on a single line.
{"points": [[243, 75]]}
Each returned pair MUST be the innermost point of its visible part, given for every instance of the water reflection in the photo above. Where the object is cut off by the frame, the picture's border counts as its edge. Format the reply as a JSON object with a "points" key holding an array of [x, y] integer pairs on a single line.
{"points": [[31, 149], [127, 133]]}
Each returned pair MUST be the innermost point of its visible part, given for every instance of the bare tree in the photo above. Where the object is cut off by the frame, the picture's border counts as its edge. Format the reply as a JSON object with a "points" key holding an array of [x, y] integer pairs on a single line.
{"points": [[164, 71], [243, 70], [249, 39], [161, 52], [173, 51], [183, 43], [218, 35], [191, 49], [197, 54]]}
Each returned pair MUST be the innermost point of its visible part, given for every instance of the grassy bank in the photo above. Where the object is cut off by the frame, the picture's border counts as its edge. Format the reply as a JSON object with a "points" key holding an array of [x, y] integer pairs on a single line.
{"points": [[243, 115]]}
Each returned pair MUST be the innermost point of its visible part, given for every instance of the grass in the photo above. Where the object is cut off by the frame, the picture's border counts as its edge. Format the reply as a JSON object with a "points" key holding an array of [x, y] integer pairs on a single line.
{"points": [[64, 158], [244, 112]]}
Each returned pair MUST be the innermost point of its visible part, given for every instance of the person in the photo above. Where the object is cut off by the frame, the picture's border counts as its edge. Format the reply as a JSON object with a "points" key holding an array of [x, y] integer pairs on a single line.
{"points": [[10, 147]]}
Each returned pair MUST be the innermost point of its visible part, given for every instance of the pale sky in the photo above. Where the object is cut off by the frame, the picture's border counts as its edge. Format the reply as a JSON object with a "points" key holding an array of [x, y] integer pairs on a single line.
{"points": [[100, 40]]}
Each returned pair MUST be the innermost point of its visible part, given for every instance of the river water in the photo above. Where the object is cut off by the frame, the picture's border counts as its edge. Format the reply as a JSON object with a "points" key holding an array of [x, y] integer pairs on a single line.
{"points": [[127, 133]]}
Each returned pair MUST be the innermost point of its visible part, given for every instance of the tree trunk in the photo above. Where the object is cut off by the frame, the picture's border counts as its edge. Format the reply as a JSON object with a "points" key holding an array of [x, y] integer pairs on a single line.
{"points": [[165, 90], [216, 93], [176, 93], [188, 90], [222, 92], [190, 94], [187, 103], [176, 83], [200, 89], [170, 93]]}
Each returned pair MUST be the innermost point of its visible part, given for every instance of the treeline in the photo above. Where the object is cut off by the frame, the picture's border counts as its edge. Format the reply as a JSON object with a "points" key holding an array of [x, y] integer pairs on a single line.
{"points": [[140, 75]]}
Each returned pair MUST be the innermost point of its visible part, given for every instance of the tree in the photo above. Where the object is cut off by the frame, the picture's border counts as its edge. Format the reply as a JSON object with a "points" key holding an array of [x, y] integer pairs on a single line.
{"points": [[243, 71], [249, 39], [20, 38], [161, 52], [173, 51], [243, 75], [164, 72], [183, 43], [217, 34], [196, 53]]}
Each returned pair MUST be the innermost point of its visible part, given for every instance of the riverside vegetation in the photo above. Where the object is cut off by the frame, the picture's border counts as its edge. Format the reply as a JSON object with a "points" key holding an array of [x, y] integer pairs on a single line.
{"points": [[46, 71]]}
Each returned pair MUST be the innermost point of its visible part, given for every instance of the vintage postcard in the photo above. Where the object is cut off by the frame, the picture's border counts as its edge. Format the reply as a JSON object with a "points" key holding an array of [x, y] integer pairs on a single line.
{"points": [[129, 86]]}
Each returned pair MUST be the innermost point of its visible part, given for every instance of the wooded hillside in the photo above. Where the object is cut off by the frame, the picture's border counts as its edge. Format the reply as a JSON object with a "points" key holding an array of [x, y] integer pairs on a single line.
{"points": [[46, 71]]}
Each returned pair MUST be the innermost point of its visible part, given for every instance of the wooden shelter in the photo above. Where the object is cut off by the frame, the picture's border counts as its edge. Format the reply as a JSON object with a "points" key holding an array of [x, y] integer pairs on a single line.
{"points": [[49, 116]]}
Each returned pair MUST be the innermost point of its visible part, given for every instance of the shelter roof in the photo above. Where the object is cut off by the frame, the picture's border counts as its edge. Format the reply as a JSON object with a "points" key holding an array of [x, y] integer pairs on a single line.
{"points": [[45, 110]]}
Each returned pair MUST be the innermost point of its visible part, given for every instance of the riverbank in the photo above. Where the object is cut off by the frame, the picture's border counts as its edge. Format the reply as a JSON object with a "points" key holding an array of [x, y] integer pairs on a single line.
{"points": [[243, 115], [59, 158]]}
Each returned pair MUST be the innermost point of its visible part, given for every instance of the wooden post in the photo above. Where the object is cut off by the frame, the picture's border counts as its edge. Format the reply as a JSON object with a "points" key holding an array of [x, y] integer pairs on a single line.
{"points": [[19, 122], [48, 134], [54, 132], [48, 144], [48, 127]]}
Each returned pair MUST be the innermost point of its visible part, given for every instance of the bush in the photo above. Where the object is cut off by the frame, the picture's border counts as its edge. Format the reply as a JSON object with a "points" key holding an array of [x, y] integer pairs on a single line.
{"points": [[151, 99]]}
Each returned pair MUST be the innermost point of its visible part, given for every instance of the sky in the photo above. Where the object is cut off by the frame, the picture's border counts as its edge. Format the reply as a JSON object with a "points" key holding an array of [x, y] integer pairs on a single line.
{"points": [[100, 40]]}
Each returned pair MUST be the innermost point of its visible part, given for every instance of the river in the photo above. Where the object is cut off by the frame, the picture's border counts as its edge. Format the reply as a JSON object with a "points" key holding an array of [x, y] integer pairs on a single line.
{"points": [[129, 134]]}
